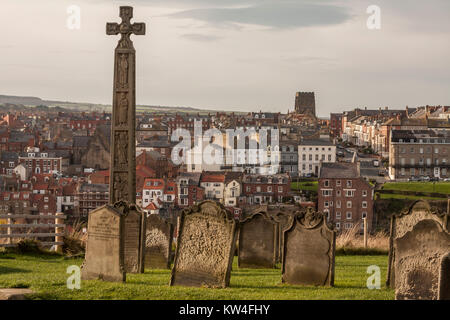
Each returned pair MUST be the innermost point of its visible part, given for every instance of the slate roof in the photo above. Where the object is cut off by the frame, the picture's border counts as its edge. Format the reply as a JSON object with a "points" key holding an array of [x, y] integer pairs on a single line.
{"points": [[316, 142], [338, 170]]}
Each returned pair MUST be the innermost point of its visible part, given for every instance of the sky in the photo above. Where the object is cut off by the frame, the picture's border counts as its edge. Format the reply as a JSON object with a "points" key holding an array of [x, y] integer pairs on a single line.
{"points": [[234, 55]]}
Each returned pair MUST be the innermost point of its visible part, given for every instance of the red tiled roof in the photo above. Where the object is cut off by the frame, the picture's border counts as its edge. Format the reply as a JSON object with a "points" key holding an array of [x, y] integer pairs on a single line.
{"points": [[150, 184], [212, 177]]}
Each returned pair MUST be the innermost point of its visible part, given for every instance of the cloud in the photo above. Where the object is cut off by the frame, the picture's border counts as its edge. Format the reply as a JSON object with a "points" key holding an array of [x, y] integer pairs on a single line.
{"points": [[200, 37], [279, 15]]}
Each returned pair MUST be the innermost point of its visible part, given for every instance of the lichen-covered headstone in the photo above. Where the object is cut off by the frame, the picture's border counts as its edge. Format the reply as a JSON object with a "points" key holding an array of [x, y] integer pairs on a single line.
{"points": [[158, 242], [105, 244], [419, 243], [309, 250], [403, 223], [258, 241], [444, 278], [419, 257], [205, 246]]}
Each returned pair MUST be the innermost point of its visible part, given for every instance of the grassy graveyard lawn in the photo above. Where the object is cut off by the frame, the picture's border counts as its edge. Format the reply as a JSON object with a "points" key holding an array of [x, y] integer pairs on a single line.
{"points": [[432, 187], [46, 276], [305, 186]]}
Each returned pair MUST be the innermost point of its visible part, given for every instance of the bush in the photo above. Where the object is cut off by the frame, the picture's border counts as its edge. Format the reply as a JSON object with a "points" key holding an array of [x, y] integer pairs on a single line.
{"points": [[27, 246], [75, 240]]}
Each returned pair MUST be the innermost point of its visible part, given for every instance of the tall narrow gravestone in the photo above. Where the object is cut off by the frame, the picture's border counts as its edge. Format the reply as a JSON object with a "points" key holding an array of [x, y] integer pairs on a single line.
{"points": [[205, 247], [309, 250], [258, 240], [122, 182], [158, 242], [419, 243], [105, 246]]}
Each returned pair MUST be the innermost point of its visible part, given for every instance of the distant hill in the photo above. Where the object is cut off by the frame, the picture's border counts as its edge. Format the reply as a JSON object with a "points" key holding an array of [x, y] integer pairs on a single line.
{"points": [[21, 100], [81, 106]]}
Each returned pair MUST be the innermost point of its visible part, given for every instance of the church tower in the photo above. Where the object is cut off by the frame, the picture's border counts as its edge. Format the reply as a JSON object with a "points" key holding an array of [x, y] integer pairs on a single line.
{"points": [[305, 102]]}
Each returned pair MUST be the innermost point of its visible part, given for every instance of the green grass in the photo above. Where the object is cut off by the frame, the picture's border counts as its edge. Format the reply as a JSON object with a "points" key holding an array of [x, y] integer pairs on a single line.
{"points": [[305, 186], [407, 197], [46, 275], [437, 187]]}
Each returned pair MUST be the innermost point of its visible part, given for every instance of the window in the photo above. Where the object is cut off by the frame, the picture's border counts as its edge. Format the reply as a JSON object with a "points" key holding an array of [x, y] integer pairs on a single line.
{"points": [[280, 189], [338, 193], [338, 215], [326, 193], [349, 204], [327, 183], [364, 215], [338, 203], [349, 183], [338, 225], [364, 204], [349, 215], [364, 193], [338, 183], [326, 204], [349, 193]]}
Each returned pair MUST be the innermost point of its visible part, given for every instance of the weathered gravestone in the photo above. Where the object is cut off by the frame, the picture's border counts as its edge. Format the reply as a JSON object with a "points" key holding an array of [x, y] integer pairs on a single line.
{"points": [[419, 242], [444, 278], [105, 246], [283, 215], [205, 246], [115, 243], [258, 240], [158, 242], [309, 250], [134, 242]]}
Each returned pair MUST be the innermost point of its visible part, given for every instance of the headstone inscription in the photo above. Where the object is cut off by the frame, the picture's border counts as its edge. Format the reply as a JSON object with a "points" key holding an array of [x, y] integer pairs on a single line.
{"points": [[105, 246], [258, 240], [158, 242], [309, 250], [205, 246]]}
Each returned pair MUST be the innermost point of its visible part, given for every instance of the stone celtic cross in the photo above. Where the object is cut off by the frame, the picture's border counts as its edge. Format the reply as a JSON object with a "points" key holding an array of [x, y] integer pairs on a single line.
{"points": [[122, 181]]}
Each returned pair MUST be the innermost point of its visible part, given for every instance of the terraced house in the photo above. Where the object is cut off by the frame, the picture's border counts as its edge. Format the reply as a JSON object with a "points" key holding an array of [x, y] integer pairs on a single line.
{"points": [[419, 153]]}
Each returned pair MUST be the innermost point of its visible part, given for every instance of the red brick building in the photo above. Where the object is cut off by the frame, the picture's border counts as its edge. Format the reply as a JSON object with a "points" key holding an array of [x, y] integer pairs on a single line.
{"points": [[41, 162], [189, 190], [259, 189], [336, 124], [344, 195]]}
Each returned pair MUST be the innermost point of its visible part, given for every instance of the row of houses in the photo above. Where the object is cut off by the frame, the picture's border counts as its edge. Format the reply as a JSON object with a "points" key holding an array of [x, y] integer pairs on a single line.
{"points": [[233, 189]]}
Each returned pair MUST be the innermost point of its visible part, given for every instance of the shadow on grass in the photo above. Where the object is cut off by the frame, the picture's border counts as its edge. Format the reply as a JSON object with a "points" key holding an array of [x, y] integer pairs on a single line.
{"points": [[6, 270]]}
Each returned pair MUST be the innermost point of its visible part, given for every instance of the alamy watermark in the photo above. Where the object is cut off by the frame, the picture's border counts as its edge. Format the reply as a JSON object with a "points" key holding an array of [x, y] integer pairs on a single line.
{"points": [[74, 280], [74, 17], [231, 147], [374, 281], [374, 20]]}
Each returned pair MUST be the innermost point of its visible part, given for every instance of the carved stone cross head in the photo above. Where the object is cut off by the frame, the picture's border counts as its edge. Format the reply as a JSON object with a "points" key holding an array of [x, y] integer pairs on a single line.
{"points": [[126, 28]]}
